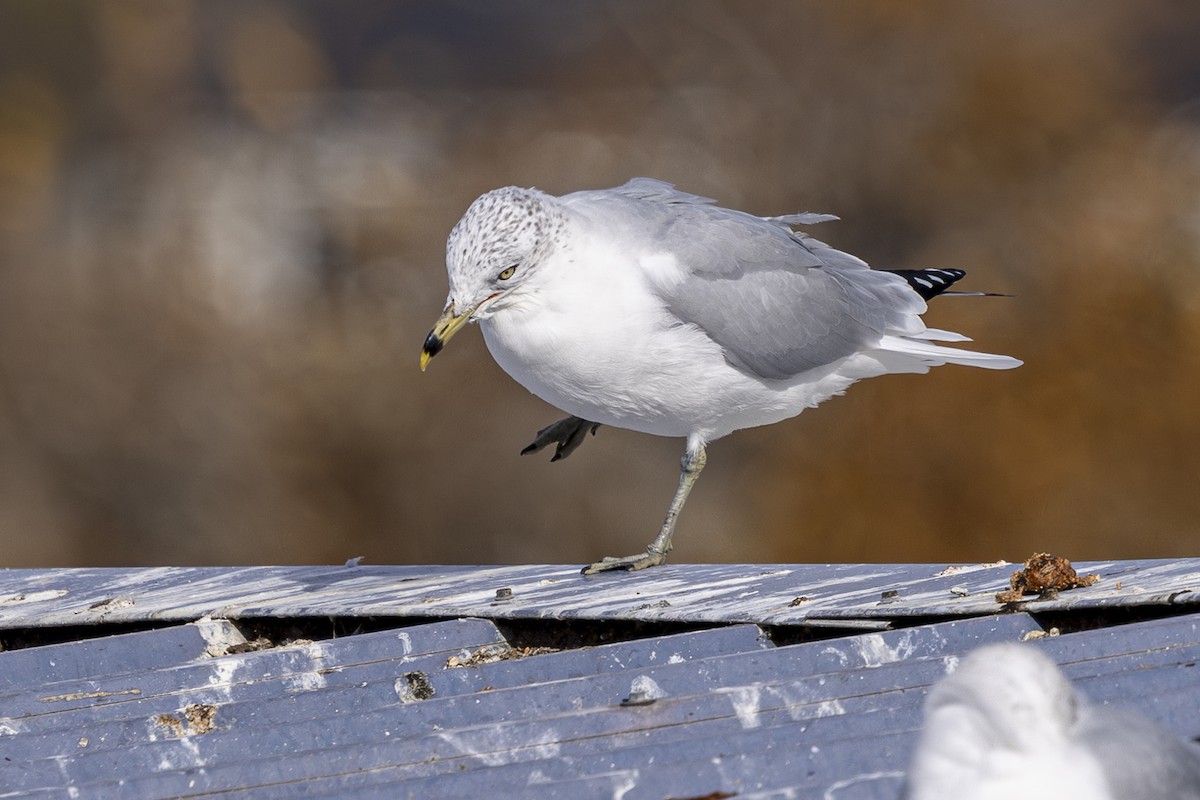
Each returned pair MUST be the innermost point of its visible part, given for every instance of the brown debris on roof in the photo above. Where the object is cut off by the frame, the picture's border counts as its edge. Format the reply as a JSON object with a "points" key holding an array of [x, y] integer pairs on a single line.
{"points": [[490, 654], [1044, 575]]}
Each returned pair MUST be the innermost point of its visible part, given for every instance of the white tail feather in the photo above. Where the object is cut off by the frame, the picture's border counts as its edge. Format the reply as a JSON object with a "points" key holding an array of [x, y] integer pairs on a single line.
{"points": [[934, 354], [938, 335]]}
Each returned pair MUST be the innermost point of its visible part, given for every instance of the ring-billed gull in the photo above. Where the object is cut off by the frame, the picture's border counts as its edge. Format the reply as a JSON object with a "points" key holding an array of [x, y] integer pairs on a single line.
{"points": [[1007, 724], [647, 308]]}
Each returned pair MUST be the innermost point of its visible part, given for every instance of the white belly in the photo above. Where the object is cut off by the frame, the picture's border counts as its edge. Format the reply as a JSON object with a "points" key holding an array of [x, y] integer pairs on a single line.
{"points": [[615, 356]]}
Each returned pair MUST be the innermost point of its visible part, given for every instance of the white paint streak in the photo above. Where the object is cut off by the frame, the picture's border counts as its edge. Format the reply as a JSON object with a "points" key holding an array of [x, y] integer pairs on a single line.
{"points": [[830, 708], [680, 592], [146, 575], [959, 569], [223, 672], [875, 651], [306, 681], [192, 746], [405, 642], [840, 655], [793, 697], [222, 675], [32, 597], [317, 654], [494, 747], [185, 756], [647, 687], [745, 700], [867, 777], [624, 782]]}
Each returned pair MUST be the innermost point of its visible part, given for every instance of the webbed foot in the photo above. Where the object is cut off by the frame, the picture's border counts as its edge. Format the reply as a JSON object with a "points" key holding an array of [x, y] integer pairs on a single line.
{"points": [[566, 435], [650, 558]]}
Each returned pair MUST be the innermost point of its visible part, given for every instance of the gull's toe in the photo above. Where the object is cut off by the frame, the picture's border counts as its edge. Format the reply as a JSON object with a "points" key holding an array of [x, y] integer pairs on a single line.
{"points": [[566, 435], [626, 563]]}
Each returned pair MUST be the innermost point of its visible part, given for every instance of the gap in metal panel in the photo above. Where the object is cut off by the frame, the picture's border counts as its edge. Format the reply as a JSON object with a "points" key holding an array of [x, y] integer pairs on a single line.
{"points": [[1087, 619], [557, 634], [570, 634], [260, 632], [25, 638], [264, 632], [784, 635], [1064, 620]]}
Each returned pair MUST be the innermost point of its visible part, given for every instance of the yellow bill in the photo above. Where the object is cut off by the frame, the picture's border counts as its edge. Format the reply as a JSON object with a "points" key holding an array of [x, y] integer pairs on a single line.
{"points": [[446, 326]]}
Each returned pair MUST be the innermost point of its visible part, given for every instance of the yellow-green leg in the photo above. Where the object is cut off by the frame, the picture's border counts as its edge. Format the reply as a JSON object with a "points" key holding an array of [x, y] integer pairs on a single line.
{"points": [[656, 553]]}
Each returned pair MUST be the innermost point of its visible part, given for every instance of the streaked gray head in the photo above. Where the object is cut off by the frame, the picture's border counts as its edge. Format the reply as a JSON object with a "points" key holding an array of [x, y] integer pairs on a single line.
{"points": [[499, 243]]}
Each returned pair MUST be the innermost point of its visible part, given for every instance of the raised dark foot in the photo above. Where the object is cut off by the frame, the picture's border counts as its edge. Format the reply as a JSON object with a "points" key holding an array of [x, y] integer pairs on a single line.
{"points": [[566, 435], [627, 564]]}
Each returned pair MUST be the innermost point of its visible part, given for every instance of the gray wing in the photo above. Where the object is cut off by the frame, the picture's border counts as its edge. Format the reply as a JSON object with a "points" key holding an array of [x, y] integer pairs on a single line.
{"points": [[657, 191], [778, 301]]}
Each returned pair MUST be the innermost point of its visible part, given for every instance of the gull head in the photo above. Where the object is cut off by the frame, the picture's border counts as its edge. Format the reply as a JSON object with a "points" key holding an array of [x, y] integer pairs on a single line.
{"points": [[1015, 696], [1008, 719], [490, 255]]}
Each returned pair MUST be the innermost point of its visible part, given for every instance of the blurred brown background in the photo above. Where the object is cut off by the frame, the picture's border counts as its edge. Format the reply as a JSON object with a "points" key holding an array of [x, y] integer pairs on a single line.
{"points": [[221, 244]]}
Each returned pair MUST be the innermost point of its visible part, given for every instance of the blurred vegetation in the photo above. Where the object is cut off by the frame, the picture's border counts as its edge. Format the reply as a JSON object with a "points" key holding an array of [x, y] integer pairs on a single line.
{"points": [[221, 244]]}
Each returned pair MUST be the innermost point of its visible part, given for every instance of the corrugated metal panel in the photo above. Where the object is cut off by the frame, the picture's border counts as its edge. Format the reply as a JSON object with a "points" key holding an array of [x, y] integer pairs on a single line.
{"points": [[766, 595], [418, 711], [115, 655]]}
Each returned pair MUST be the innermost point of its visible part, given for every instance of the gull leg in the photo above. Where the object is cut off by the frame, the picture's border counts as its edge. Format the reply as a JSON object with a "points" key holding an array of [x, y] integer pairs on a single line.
{"points": [[656, 553], [566, 435]]}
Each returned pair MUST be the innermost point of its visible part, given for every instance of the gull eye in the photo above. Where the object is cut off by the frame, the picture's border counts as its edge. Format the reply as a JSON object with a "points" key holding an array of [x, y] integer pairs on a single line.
{"points": [[506, 273]]}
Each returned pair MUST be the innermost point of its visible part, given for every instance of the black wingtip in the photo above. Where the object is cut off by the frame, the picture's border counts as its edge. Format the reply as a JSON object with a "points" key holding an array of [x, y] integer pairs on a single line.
{"points": [[929, 283]]}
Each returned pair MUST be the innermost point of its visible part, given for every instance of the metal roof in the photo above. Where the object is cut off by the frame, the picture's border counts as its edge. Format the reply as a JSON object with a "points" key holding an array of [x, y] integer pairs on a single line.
{"points": [[685, 681]]}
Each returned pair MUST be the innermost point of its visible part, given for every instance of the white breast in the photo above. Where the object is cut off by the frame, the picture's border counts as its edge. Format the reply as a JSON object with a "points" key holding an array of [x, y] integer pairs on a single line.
{"points": [[597, 344], [589, 335]]}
